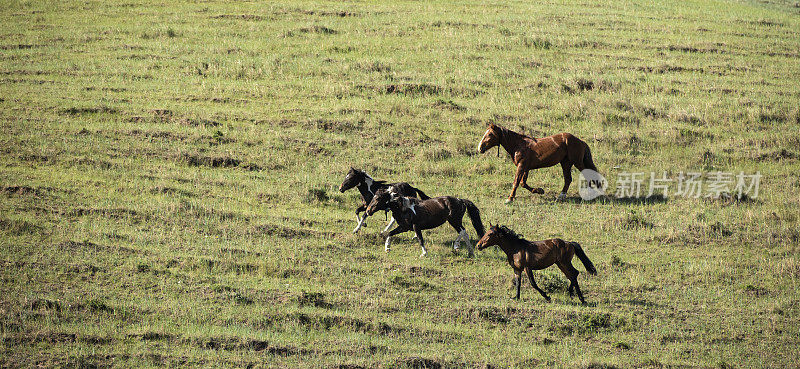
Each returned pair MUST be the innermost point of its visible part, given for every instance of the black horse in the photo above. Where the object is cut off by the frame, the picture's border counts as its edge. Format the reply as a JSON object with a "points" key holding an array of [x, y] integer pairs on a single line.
{"points": [[368, 187], [417, 215]]}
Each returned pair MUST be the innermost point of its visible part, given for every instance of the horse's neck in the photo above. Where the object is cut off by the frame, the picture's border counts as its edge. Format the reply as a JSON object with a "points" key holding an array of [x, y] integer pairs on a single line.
{"points": [[512, 141], [510, 247], [398, 211], [367, 193]]}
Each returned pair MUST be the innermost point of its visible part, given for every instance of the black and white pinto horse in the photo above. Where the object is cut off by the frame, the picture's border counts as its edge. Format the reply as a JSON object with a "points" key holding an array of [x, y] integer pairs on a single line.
{"points": [[417, 215], [368, 187]]}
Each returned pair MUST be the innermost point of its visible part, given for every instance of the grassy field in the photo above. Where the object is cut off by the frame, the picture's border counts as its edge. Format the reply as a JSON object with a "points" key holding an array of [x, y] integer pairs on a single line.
{"points": [[169, 175]]}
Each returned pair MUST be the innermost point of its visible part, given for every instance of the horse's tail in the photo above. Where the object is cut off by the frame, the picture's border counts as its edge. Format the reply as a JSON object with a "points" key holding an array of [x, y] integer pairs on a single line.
{"points": [[422, 195], [475, 216], [584, 259], [587, 159]]}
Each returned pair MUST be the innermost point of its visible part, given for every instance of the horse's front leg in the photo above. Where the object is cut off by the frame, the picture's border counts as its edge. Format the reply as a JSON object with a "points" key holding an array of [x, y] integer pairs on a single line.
{"points": [[566, 167], [418, 231], [538, 190], [361, 220], [390, 224], [400, 229], [517, 281], [533, 284], [517, 180]]}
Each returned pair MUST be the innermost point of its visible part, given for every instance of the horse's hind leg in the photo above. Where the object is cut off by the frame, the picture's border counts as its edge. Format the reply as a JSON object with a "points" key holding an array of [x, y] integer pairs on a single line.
{"points": [[566, 168], [465, 239], [533, 284], [577, 287], [572, 275], [459, 227], [529, 188], [463, 236], [517, 179], [457, 241]]}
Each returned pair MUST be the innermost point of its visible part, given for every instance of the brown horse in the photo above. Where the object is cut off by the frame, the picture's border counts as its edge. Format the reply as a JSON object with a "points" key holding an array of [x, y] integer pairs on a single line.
{"points": [[418, 215], [533, 153], [524, 255]]}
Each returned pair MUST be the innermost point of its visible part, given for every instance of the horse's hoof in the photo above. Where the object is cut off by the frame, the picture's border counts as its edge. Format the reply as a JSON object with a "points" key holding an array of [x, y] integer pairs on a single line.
{"points": [[562, 196], [538, 190], [508, 201], [386, 250], [423, 254]]}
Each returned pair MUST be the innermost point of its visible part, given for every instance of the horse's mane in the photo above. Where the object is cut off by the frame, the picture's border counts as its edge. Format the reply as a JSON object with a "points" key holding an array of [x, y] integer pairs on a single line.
{"points": [[374, 181], [513, 236], [505, 131]]}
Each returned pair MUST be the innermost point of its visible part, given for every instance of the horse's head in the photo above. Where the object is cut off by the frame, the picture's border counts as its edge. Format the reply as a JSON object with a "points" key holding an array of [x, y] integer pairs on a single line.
{"points": [[490, 139], [380, 201], [491, 237], [352, 179]]}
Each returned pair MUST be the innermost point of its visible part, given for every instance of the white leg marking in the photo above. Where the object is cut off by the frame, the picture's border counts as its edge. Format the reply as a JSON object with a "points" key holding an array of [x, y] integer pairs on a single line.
{"points": [[360, 223], [389, 225], [424, 252], [387, 243], [457, 241], [465, 238]]}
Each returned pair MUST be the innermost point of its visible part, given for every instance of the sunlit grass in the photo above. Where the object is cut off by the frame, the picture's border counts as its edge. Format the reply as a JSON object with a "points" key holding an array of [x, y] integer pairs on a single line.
{"points": [[169, 176]]}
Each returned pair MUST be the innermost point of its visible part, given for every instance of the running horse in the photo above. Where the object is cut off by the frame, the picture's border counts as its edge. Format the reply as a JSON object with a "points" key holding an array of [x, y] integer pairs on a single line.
{"points": [[533, 153], [526, 256], [367, 187], [413, 214]]}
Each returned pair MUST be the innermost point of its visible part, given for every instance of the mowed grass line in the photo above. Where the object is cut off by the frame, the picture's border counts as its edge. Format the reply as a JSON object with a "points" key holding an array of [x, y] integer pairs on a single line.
{"points": [[169, 175]]}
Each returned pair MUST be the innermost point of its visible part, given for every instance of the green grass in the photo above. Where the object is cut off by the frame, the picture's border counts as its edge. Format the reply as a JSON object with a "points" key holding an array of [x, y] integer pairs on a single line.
{"points": [[169, 175]]}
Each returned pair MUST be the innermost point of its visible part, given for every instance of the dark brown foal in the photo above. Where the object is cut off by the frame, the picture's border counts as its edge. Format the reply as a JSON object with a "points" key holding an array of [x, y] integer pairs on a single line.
{"points": [[524, 255], [533, 153]]}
